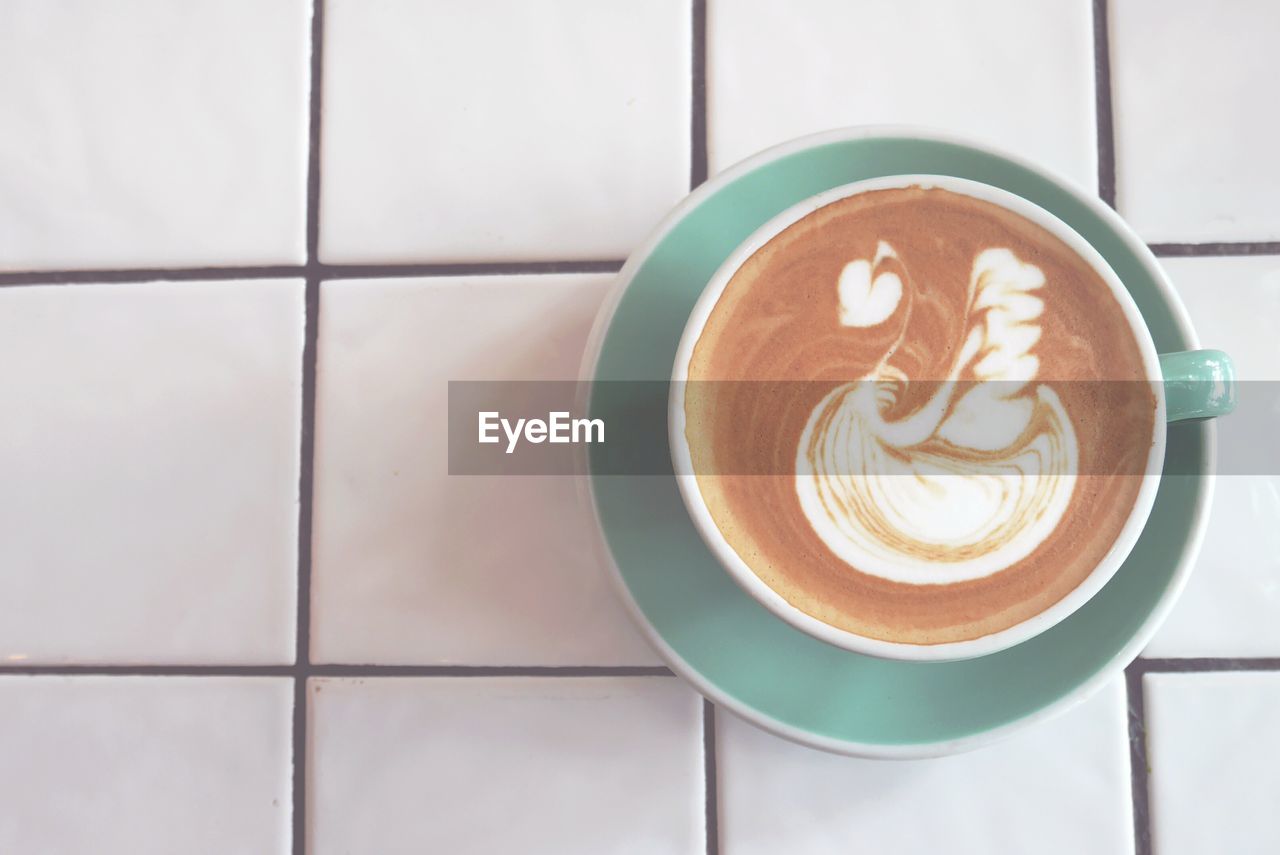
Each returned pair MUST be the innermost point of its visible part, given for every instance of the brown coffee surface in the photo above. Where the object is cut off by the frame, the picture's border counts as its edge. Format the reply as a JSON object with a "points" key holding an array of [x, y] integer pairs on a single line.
{"points": [[780, 320]]}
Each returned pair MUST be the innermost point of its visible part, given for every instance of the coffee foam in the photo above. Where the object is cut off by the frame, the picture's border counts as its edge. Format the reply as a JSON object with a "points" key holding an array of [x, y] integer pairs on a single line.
{"points": [[935, 494], [972, 481]]}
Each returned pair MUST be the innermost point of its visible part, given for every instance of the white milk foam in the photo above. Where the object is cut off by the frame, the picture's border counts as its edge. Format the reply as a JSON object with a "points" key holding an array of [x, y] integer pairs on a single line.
{"points": [[970, 483]]}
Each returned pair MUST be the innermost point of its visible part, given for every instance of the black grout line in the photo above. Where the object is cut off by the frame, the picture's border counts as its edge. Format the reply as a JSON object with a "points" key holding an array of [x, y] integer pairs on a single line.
{"points": [[386, 271], [376, 271], [490, 671], [698, 121], [302, 643], [310, 269], [711, 776], [1105, 115], [313, 134], [301, 755], [148, 274], [1191, 666], [306, 469], [299, 791], [1206, 249], [1139, 666], [356, 671], [698, 175], [1139, 773], [149, 670]]}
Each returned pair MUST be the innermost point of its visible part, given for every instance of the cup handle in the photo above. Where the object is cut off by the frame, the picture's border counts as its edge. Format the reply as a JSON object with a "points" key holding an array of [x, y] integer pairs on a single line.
{"points": [[1198, 384]]}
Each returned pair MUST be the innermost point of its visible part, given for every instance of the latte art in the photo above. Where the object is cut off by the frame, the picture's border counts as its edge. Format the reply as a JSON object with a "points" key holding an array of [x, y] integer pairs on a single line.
{"points": [[973, 479], [900, 417]]}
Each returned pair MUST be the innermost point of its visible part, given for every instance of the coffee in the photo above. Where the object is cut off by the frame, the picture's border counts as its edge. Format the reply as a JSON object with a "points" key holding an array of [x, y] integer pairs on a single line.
{"points": [[932, 446]]}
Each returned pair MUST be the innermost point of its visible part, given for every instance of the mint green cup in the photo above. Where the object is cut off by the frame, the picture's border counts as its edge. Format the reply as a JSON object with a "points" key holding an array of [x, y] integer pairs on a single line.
{"points": [[1203, 384], [741, 655]]}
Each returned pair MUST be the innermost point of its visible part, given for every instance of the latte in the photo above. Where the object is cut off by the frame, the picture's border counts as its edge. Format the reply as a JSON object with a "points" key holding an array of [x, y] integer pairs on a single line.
{"points": [[932, 445]]}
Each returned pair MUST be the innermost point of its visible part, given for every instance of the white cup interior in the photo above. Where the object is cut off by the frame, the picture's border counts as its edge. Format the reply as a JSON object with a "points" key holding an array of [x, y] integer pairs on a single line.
{"points": [[771, 599]]}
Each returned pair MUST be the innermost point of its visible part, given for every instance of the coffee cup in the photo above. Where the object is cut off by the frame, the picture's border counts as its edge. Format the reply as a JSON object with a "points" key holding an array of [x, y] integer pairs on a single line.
{"points": [[919, 417]]}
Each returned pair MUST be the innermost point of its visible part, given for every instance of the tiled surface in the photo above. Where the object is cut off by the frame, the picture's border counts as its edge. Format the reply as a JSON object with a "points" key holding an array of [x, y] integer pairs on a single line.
{"points": [[1062, 787], [1215, 762], [1018, 75], [149, 451], [1195, 124], [1231, 606], [501, 129], [150, 439], [144, 133], [476, 765], [412, 565], [145, 765]]}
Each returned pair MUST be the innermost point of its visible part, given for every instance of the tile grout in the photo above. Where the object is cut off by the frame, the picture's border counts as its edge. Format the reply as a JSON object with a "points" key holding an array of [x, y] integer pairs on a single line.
{"points": [[1193, 665], [318, 270], [325, 272], [698, 176], [1104, 116], [149, 670], [307, 431], [1174, 665], [337, 671], [149, 274], [490, 671], [1227, 248], [1139, 772], [306, 471], [478, 268], [711, 777], [698, 97]]}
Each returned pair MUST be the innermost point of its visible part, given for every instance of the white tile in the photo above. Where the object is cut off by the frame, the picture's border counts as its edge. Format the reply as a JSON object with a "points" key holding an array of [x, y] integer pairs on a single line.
{"points": [[484, 765], [1231, 606], [144, 133], [149, 447], [501, 129], [1234, 302], [1016, 74], [145, 765], [1193, 89], [1062, 787], [1214, 753], [410, 564]]}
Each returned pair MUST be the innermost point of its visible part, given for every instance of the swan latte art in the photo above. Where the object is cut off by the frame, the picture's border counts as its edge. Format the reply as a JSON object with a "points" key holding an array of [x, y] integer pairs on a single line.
{"points": [[926, 444]]}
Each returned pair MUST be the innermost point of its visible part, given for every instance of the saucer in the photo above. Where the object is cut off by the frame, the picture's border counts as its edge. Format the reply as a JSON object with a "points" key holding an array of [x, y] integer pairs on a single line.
{"points": [[731, 648]]}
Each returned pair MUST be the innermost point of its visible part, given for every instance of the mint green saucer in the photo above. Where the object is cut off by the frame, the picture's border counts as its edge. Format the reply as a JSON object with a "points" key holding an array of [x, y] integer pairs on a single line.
{"points": [[732, 649]]}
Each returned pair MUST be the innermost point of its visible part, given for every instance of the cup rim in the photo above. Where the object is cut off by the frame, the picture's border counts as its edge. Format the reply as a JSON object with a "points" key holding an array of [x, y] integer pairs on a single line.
{"points": [[742, 573]]}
